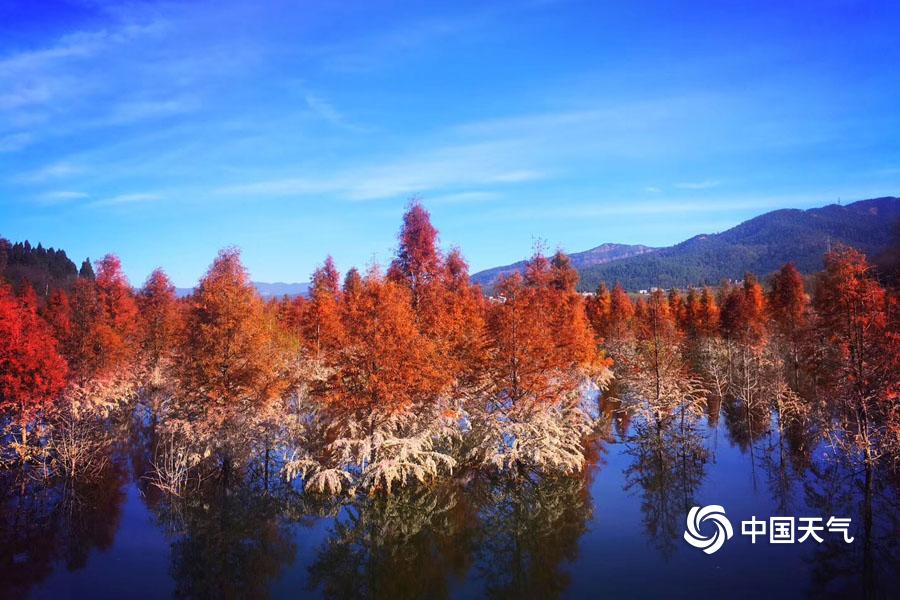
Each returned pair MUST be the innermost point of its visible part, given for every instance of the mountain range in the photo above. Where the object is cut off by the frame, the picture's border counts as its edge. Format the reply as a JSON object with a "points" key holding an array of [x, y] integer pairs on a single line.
{"points": [[760, 245], [602, 254]]}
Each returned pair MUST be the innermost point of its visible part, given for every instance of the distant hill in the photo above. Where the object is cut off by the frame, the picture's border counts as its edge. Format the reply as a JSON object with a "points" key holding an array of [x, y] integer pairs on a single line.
{"points": [[760, 245], [266, 290], [602, 254]]}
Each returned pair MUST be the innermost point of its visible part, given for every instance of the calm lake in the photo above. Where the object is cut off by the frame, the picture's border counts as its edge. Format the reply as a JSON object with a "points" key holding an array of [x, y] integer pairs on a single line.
{"points": [[617, 531]]}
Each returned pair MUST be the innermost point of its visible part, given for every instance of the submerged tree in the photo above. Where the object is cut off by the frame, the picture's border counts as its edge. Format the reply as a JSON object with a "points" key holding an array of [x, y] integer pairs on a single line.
{"points": [[231, 371], [858, 332]]}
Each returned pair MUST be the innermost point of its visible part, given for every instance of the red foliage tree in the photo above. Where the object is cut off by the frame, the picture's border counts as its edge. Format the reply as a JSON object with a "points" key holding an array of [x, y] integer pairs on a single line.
{"points": [[858, 329], [32, 373], [418, 261], [743, 316]]}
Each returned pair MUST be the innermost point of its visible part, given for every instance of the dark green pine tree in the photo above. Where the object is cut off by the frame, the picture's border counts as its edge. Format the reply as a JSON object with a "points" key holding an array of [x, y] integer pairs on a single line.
{"points": [[87, 271]]}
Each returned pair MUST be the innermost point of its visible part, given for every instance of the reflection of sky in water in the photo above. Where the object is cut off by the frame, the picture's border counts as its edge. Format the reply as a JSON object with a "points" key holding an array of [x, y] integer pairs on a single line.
{"points": [[616, 555]]}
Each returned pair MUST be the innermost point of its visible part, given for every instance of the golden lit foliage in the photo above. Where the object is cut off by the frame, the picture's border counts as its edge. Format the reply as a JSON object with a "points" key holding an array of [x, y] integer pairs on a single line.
{"points": [[385, 363], [229, 366]]}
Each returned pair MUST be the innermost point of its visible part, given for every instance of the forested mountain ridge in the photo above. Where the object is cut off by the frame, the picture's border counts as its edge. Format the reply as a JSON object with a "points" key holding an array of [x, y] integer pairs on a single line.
{"points": [[599, 255], [760, 245]]}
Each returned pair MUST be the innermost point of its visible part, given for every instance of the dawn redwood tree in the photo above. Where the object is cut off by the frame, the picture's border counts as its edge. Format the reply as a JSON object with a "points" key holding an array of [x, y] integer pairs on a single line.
{"points": [[743, 316], [788, 309], [32, 372], [656, 370], [323, 330], [706, 321], [352, 283], [381, 400], [542, 350], [418, 260], [386, 364], [677, 308], [621, 313], [58, 314], [448, 309], [452, 315], [116, 332], [599, 307], [160, 315], [858, 331], [229, 369]]}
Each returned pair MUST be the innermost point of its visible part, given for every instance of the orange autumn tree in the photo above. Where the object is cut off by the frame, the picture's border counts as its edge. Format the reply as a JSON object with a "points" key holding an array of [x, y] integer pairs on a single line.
{"points": [[104, 343], [118, 328], [32, 373], [656, 370], [599, 308], [788, 308], [230, 369], [380, 399], [323, 330], [743, 315], [621, 313], [58, 314], [858, 330], [542, 350], [161, 316], [449, 310]]}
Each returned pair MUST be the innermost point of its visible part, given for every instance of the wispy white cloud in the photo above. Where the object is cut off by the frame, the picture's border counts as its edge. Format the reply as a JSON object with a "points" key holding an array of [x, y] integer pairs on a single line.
{"points": [[129, 112], [439, 169], [328, 112], [123, 199], [462, 198], [50, 172], [698, 185], [61, 196]]}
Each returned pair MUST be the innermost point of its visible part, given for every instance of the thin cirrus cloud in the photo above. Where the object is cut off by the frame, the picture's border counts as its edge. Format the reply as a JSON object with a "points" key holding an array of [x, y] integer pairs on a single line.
{"points": [[447, 167], [698, 185], [51, 172], [62, 196], [126, 199]]}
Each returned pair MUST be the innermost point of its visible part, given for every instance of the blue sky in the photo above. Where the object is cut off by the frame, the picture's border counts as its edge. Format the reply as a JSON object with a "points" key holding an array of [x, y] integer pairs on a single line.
{"points": [[162, 132]]}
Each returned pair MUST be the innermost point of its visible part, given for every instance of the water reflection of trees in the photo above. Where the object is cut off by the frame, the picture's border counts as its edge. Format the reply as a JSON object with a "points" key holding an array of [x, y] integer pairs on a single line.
{"points": [[668, 466], [516, 533], [46, 520], [407, 545], [868, 567], [529, 529], [227, 541]]}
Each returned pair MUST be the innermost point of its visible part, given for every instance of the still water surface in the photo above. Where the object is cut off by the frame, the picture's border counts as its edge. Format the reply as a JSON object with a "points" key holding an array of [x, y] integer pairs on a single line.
{"points": [[615, 532]]}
